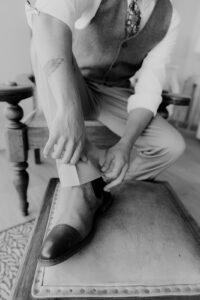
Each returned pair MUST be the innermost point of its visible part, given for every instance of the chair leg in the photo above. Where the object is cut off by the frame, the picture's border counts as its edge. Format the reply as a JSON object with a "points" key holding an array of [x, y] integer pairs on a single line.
{"points": [[37, 156], [17, 149], [21, 181]]}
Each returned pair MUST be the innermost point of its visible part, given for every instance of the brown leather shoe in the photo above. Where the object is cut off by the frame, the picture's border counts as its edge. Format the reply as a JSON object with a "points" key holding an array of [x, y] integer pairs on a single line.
{"points": [[64, 240]]}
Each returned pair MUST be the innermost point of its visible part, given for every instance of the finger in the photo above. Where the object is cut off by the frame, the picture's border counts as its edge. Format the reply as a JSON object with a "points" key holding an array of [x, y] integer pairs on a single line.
{"points": [[116, 170], [107, 163], [110, 169], [69, 151], [105, 178], [49, 146], [102, 159], [118, 180], [59, 149], [84, 157], [76, 156]]}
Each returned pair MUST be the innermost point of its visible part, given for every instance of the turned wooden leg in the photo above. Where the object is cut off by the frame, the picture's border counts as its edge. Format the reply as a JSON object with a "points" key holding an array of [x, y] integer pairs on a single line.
{"points": [[17, 148], [37, 156], [21, 181]]}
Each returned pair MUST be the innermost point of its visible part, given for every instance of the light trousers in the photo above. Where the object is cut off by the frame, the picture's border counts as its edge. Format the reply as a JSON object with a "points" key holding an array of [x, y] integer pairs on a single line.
{"points": [[159, 146]]}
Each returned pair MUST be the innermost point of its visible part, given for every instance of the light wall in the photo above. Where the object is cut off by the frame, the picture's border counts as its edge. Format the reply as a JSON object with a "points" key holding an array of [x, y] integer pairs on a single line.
{"points": [[184, 57], [14, 47], [14, 39]]}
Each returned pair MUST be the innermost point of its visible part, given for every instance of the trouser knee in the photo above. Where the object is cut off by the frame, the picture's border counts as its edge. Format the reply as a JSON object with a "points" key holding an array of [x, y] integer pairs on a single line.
{"points": [[174, 147]]}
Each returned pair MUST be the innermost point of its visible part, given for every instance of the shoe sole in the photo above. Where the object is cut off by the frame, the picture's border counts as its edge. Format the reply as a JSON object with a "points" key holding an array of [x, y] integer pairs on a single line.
{"points": [[100, 211]]}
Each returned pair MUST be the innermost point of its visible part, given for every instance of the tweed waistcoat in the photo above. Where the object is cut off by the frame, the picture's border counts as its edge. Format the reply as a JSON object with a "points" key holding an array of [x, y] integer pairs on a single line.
{"points": [[103, 53]]}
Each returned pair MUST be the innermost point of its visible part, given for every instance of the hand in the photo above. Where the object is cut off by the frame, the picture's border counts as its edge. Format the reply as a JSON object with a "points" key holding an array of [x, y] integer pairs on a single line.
{"points": [[115, 165], [67, 137]]}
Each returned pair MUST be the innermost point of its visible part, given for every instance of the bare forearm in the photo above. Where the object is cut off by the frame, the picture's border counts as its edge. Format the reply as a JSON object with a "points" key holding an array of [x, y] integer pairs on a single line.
{"points": [[53, 43], [138, 120], [63, 84]]}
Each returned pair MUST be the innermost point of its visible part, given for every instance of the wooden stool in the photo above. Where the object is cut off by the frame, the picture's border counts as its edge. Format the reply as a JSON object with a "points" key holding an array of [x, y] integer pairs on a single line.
{"points": [[146, 245], [22, 137]]}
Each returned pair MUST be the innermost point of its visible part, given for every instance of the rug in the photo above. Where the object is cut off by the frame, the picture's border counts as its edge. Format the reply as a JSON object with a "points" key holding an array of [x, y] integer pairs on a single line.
{"points": [[13, 243]]}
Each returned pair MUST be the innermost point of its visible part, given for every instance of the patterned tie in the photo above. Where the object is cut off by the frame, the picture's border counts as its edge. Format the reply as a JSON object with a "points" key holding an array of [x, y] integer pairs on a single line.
{"points": [[133, 19]]}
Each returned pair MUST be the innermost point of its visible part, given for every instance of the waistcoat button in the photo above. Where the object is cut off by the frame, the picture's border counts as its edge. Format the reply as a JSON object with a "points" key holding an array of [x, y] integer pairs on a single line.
{"points": [[124, 45]]}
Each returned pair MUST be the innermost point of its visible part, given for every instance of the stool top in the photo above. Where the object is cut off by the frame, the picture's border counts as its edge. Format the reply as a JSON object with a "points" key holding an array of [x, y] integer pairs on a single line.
{"points": [[142, 247], [13, 92]]}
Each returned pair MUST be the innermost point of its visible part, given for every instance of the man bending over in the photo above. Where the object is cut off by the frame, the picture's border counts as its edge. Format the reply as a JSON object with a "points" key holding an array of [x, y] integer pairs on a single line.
{"points": [[84, 53]]}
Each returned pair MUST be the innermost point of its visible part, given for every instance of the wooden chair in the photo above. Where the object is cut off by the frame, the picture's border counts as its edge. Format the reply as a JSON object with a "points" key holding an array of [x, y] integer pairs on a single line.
{"points": [[21, 137]]}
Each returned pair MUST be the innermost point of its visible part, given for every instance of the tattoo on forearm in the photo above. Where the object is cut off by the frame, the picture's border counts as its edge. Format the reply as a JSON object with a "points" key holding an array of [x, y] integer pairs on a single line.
{"points": [[52, 65]]}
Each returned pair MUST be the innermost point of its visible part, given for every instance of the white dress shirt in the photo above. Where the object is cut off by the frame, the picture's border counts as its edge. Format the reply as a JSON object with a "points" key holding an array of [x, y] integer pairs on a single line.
{"points": [[77, 14]]}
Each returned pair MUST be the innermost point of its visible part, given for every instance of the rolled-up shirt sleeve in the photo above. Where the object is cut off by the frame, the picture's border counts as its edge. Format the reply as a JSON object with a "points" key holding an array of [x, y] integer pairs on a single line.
{"points": [[70, 12], [152, 74], [62, 10]]}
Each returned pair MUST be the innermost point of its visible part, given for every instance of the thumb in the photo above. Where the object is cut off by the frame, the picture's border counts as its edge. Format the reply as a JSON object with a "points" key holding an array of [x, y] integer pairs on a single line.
{"points": [[84, 157], [107, 163]]}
